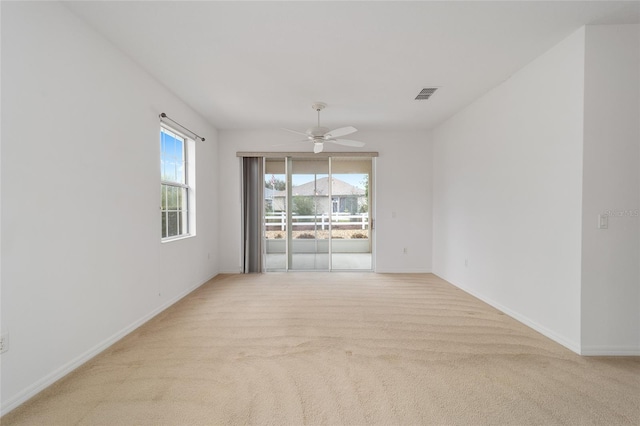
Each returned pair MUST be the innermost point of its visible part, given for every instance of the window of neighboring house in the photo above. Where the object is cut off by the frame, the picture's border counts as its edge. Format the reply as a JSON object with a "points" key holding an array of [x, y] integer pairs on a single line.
{"points": [[349, 205], [177, 183]]}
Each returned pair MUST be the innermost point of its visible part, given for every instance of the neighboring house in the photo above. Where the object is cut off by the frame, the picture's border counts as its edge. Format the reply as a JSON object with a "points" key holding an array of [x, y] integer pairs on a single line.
{"points": [[269, 196], [345, 198]]}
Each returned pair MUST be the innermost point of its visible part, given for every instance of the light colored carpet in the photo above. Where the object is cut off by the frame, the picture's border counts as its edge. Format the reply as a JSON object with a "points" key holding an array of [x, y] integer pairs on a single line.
{"points": [[337, 348]]}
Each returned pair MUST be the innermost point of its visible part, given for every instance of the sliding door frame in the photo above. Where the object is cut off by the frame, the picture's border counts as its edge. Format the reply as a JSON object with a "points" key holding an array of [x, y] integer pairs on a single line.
{"points": [[288, 158]]}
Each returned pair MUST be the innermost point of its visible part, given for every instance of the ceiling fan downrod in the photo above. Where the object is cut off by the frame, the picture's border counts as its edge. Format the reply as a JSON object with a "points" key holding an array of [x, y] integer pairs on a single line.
{"points": [[318, 106]]}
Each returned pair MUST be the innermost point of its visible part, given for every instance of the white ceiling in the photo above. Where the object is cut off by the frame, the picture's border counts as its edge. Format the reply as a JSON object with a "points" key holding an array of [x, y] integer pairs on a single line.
{"points": [[260, 65]]}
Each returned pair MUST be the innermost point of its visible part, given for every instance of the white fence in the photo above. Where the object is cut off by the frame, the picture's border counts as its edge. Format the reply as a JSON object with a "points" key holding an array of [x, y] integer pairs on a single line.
{"points": [[279, 220]]}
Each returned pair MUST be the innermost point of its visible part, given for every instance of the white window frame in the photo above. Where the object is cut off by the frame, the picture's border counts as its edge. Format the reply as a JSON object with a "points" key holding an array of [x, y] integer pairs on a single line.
{"points": [[187, 213]]}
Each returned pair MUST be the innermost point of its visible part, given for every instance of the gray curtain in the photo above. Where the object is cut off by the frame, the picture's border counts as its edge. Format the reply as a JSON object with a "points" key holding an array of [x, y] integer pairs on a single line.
{"points": [[252, 196]]}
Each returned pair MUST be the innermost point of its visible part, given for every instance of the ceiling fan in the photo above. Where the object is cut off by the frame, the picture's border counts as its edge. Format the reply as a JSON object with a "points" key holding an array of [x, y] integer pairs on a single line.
{"points": [[319, 135]]}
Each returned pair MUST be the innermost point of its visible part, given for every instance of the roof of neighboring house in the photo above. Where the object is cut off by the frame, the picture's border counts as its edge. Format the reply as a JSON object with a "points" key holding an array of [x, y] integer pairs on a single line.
{"points": [[270, 193], [339, 188]]}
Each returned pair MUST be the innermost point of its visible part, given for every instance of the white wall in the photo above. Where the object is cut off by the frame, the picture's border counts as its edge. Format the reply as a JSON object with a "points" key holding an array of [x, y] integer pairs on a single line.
{"points": [[610, 257], [82, 261], [507, 194], [403, 185]]}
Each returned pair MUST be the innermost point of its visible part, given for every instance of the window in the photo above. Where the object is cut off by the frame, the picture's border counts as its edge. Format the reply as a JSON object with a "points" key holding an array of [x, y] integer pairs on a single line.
{"points": [[176, 184], [349, 205]]}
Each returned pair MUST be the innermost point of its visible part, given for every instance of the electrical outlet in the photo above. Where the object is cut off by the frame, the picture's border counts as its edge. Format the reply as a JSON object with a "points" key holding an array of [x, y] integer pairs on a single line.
{"points": [[4, 343], [405, 250]]}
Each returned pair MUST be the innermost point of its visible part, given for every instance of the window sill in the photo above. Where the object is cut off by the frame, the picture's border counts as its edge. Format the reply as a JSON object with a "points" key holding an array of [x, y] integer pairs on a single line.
{"points": [[172, 239]]}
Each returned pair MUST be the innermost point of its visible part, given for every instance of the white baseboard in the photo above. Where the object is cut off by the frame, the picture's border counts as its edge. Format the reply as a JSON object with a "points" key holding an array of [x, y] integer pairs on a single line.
{"points": [[610, 351], [567, 343], [67, 368]]}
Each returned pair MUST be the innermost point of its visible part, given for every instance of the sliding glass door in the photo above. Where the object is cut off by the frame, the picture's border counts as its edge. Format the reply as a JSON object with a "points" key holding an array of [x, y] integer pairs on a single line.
{"points": [[351, 245], [309, 231], [275, 214], [317, 214]]}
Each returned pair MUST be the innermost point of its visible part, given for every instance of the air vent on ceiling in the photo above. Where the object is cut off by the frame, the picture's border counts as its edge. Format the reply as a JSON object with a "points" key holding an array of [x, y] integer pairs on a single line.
{"points": [[426, 93]]}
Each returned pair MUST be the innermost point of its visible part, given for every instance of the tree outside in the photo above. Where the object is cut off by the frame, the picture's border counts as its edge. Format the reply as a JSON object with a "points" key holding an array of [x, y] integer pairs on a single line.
{"points": [[303, 206], [365, 182]]}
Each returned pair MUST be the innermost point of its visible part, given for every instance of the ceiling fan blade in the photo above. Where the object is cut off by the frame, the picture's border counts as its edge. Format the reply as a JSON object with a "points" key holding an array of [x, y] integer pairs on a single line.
{"points": [[342, 131], [347, 142], [318, 147], [296, 132]]}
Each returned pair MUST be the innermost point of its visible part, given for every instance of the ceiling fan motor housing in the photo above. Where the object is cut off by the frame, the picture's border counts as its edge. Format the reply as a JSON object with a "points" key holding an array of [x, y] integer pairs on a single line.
{"points": [[317, 131]]}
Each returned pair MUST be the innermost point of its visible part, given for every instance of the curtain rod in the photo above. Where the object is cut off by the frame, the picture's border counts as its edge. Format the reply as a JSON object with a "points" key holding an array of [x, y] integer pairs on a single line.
{"points": [[306, 154], [164, 116]]}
